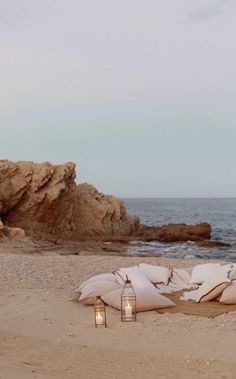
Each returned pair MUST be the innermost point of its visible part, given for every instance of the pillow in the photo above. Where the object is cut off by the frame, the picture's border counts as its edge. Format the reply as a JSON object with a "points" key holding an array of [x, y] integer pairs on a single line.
{"points": [[162, 288], [135, 275], [180, 278], [121, 274], [156, 274], [96, 288], [202, 272], [107, 277], [232, 274], [212, 287], [229, 295], [189, 270], [190, 295], [146, 300]]}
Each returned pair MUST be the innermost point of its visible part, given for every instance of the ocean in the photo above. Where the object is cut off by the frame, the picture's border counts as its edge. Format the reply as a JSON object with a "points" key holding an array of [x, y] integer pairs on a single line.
{"points": [[219, 213]]}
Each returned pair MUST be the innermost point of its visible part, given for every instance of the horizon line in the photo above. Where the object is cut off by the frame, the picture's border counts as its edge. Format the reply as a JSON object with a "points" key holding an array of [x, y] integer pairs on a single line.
{"points": [[179, 197]]}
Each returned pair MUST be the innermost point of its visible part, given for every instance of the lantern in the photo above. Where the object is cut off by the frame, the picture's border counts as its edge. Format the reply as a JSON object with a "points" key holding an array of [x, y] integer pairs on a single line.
{"points": [[128, 302], [100, 313]]}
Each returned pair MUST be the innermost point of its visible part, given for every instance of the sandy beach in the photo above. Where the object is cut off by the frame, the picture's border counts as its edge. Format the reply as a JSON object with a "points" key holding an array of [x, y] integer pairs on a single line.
{"points": [[46, 334]]}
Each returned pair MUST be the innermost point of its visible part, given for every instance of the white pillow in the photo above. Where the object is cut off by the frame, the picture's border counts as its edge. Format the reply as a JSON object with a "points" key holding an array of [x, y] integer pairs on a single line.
{"points": [[190, 295], [189, 270], [229, 295], [146, 300], [156, 274], [107, 277], [212, 287], [232, 274], [201, 273], [136, 276], [121, 274], [98, 288], [181, 278]]}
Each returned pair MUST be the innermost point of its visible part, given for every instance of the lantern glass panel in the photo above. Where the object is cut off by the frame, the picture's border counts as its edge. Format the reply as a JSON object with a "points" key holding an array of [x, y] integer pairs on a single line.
{"points": [[100, 313], [128, 303]]}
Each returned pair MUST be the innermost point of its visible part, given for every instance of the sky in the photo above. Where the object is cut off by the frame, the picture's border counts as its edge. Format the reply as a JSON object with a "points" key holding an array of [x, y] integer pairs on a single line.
{"points": [[139, 94]]}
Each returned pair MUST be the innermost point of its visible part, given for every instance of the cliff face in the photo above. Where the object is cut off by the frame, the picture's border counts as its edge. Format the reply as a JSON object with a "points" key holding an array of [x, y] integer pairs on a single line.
{"points": [[44, 198]]}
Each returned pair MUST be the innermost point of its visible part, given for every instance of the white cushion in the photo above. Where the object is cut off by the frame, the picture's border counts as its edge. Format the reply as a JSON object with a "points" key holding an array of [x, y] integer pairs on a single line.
{"points": [[156, 274], [190, 295], [212, 287], [146, 300], [229, 295], [121, 274], [232, 274], [135, 275], [189, 270], [96, 288], [107, 277], [180, 278], [201, 273]]}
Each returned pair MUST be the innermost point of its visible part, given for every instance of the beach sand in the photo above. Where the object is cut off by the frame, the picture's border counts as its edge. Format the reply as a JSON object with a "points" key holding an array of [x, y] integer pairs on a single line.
{"points": [[45, 334]]}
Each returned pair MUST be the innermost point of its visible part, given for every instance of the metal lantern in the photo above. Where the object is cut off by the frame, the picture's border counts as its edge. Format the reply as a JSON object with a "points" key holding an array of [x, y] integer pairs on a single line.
{"points": [[128, 302], [100, 313]]}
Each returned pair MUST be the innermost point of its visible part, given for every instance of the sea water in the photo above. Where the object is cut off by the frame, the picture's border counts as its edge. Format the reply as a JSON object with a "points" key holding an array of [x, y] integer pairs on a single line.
{"points": [[219, 213]]}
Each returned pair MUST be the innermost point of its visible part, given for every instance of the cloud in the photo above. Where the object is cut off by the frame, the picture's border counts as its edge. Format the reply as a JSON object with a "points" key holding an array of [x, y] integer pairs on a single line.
{"points": [[204, 11]]}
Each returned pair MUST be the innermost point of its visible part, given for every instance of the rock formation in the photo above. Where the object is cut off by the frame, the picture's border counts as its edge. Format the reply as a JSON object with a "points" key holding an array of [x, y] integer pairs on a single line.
{"points": [[11, 232], [176, 232], [44, 199]]}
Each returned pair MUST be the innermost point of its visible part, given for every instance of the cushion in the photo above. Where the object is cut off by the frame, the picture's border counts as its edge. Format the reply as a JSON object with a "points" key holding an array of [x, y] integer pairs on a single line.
{"points": [[232, 274], [180, 277], [190, 295], [135, 275], [96, 288], [229, 295], [212, 287], [189, 270], [201, 273], [146, 299], [107, 277], [179, 280], [156, 274], [121, 274]]}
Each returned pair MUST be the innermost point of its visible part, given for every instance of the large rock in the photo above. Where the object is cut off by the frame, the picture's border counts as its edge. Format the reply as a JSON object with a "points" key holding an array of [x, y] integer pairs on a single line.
{"points": [[44, 198], [11, 232], [97, 214], [176, 232]]}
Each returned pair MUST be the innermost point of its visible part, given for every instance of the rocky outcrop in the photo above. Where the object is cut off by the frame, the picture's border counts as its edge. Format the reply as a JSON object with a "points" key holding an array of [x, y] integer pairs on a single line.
{"points": [[97, 214], [176, 232], [11, 232], [44, 199]]}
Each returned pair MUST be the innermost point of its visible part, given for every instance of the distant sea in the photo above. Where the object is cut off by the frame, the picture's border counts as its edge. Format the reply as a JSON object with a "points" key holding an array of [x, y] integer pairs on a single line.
{"points": [[220, 213]]}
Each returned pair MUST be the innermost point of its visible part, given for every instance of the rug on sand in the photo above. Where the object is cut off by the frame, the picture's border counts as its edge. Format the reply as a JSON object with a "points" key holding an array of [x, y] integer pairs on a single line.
{"points": [[209, 309]]}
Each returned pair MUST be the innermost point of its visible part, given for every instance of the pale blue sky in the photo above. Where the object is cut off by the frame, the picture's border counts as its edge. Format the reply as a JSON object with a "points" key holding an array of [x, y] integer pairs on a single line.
{"points": [[139, 94]]}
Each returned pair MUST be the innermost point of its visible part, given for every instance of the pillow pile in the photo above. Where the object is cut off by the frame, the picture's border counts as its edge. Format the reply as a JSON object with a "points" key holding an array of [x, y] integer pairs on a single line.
{"points": [[149, 281]]}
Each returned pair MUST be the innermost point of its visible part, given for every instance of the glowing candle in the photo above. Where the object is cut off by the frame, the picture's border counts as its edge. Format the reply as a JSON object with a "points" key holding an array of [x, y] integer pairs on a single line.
{"points": [[128, 310], [99, 319]]}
